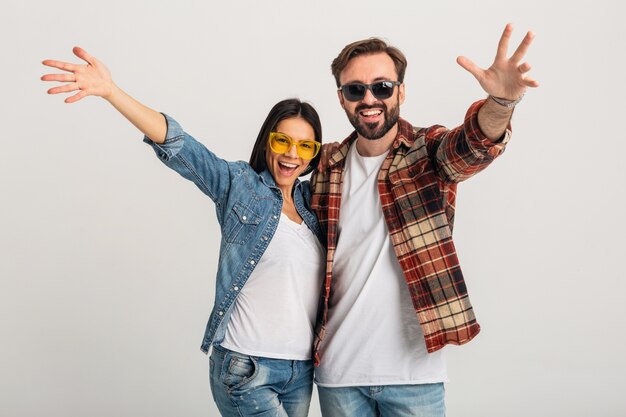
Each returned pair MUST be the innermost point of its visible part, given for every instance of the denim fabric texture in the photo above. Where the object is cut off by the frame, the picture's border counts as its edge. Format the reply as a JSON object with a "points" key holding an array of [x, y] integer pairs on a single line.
{"points": [[245, 385], [248, 206], [422, 400]]}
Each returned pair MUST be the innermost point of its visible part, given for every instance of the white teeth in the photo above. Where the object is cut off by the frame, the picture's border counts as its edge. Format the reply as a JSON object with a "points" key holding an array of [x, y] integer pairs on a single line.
{"points": [[371, 112], [288, 165]]}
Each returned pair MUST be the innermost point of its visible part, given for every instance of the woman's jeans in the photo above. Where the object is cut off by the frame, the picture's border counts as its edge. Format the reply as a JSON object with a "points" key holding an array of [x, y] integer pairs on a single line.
{"points": [[244, 385]]}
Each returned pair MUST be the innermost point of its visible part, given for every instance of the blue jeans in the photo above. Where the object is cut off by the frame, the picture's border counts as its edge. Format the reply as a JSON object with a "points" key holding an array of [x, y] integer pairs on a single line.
{"points": [[424, 400], [245, 385]]}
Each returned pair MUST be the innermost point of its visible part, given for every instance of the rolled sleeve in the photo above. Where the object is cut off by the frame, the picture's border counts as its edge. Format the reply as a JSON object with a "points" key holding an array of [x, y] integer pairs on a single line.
{"points": [[477, 139], [193, 161], [174, 140]]}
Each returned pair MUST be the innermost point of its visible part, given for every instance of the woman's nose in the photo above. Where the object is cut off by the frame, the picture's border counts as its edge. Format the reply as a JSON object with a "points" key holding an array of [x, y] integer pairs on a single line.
{"points": [[293, 151]]}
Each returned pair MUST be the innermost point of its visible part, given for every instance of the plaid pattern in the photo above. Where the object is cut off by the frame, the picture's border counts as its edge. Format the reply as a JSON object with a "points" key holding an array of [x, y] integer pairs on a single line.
{"points": [[417, 186]]}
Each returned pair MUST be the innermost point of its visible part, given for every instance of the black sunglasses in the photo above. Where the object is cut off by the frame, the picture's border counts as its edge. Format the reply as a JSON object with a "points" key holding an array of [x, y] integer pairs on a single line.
{"points": [[356, 91]]}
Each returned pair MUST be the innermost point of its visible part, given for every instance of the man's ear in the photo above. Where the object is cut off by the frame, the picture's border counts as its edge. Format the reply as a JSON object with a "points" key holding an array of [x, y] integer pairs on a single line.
{"points": [[341, 99], [401, 93]]}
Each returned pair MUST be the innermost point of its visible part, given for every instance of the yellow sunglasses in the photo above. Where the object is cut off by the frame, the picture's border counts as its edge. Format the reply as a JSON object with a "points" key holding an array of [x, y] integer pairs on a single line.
{"points": [[282, 143]]}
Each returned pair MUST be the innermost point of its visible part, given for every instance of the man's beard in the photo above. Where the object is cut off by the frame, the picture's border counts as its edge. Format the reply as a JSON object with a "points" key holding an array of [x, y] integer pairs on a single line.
{"points": [[371, 131]]}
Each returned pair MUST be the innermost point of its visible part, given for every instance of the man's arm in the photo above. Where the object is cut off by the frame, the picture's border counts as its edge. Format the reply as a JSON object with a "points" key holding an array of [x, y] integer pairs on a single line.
{"points": [[493, 119], [505, 80]]}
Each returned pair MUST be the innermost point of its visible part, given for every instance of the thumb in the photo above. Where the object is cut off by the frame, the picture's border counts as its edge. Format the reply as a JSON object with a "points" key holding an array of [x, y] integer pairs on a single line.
{"points": [[469, 66], [82, 54]]}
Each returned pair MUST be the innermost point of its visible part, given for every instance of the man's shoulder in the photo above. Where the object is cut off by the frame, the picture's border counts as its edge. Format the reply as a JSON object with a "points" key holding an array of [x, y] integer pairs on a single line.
{"points": [[412, 136]]}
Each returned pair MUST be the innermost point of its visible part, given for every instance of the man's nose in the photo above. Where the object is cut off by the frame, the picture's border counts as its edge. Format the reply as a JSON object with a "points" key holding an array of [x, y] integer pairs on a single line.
{"points": [[369, 97]]}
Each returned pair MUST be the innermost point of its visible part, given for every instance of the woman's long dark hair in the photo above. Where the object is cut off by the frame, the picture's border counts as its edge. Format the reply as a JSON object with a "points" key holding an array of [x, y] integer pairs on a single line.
{"points": [[285, 109]]}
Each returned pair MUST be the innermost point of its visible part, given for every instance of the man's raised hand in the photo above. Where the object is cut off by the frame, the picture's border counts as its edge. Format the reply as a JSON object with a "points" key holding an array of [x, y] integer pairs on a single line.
{"points": [[507, 77]]}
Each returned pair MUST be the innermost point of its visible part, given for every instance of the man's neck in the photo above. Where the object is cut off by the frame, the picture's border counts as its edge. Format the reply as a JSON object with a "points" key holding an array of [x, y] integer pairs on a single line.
{"points": [[375, 147]]}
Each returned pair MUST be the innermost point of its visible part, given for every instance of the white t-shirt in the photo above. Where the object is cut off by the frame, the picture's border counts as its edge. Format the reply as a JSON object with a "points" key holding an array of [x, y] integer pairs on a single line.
{"points": [[373, 336], [274, 315]]}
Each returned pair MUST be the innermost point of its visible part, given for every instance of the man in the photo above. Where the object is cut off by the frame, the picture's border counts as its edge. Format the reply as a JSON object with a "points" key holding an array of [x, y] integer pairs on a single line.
{"points": [[394, 294]]}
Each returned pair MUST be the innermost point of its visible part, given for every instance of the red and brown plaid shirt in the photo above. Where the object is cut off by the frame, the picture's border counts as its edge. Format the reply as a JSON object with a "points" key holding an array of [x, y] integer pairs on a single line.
{"points": [[417, 186]]}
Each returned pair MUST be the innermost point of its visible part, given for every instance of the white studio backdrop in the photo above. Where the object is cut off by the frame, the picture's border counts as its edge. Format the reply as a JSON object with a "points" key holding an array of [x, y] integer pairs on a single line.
{"points": [[107, 258]]}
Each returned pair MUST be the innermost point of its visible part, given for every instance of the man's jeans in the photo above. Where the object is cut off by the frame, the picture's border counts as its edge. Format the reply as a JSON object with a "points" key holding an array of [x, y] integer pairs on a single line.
{"points": [[425, 400], [245, 385]]}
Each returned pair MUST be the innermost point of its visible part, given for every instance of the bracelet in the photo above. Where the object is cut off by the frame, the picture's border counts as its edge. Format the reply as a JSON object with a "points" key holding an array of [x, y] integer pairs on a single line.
{"points": [[509, 104]]}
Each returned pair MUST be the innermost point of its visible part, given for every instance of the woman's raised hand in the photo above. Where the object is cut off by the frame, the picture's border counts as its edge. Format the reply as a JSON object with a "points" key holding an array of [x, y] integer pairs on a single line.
{"points": [[89, 79]]}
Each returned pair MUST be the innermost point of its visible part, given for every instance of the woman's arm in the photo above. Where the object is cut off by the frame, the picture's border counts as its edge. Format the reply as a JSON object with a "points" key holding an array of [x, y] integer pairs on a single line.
{"points": [[94, 79]]}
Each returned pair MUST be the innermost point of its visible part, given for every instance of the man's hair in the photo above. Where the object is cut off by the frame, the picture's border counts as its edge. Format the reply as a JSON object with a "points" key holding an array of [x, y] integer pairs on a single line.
{"points": [[368, 47], [282, 110]]}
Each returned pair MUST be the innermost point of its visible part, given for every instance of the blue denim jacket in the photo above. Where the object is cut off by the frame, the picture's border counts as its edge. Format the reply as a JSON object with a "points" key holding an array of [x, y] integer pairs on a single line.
{"points": [[248, 207]]}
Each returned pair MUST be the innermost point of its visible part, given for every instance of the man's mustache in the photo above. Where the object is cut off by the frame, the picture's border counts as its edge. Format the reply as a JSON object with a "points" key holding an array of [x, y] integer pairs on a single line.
{"points": [[362, 107]]}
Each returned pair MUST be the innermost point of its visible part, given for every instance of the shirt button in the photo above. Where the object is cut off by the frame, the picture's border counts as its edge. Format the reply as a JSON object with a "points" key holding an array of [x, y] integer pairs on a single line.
{"points": [[274, 216], [236, 288], [252, 262], [265, 238], [244, 218], [221, 313]]}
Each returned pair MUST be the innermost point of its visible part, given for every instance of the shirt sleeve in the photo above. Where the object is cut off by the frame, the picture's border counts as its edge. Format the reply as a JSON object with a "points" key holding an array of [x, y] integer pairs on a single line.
{"points": [[193, 161], [464, 151]]}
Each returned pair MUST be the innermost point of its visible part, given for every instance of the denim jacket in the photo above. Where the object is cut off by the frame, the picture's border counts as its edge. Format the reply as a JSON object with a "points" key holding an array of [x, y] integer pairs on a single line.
{"points": [[248, 206]]}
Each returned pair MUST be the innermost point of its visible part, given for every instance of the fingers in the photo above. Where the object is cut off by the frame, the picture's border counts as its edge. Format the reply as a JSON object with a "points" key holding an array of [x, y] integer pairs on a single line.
{"points": [[82, 54], [65, 66], [530, 82], [67, 88], [328, 149], [524, 68], [469, 66], [523, 47], [64, 78], [503, 44], [76, 97]]}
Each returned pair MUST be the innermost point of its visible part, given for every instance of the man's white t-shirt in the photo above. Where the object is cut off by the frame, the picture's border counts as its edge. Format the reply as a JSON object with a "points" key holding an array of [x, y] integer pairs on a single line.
{"points": [[373, 336]]}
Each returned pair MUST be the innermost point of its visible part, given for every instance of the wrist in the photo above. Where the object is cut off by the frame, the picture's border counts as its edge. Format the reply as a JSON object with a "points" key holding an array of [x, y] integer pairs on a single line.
{"points": [[113, 91], [509, 104]]}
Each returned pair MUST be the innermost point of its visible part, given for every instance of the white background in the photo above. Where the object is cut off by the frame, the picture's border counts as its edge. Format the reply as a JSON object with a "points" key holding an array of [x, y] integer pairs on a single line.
{"points": [[107, 258]]}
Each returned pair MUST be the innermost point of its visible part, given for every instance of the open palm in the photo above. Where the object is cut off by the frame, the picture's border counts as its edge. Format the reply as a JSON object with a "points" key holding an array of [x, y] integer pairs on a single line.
{"points": [[90, 79], [507, 76]]}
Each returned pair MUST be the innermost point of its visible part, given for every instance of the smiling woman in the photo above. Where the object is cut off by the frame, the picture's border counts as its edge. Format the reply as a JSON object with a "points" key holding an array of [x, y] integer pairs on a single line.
{"points": [[271, 259]]}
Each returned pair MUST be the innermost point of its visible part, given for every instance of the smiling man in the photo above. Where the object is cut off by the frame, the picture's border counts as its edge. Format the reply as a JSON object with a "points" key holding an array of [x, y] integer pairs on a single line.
{"points": [[394, 293]]}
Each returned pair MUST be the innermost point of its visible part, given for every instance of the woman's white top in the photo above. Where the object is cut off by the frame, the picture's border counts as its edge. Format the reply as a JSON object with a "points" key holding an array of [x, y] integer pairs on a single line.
{"points": [[274, 314]]}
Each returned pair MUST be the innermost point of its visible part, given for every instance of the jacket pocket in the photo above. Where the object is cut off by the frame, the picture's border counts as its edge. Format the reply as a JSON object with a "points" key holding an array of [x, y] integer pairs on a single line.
{"points": [[241, 224]]}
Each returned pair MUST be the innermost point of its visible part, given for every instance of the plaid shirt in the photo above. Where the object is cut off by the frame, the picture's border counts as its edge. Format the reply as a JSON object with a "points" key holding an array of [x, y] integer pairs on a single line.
{"points": [[417, 186]]}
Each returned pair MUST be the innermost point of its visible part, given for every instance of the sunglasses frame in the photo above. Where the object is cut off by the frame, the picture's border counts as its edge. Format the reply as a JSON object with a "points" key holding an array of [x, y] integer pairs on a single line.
{"points": [[292, 142], [368, 87]]}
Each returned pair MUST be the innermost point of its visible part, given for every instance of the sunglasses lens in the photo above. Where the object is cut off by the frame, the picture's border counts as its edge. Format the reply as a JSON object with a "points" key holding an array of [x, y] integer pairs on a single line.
{"points": [[356, 91], [353, 92], [280, 143], [308, 149], [383, 89]]}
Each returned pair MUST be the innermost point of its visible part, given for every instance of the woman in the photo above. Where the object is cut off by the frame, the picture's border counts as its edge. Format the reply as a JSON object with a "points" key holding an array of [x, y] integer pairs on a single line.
{"points": [[270, 264]]}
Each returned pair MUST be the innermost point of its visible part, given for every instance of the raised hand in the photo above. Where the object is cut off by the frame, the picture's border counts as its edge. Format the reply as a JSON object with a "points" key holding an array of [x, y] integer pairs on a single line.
{"points": [[94, 79], [90, 79], [507, 77]]}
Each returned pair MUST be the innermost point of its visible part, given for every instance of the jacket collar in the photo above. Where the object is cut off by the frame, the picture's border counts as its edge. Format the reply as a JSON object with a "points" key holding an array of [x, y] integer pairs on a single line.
{"points": [[268, 179]]}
